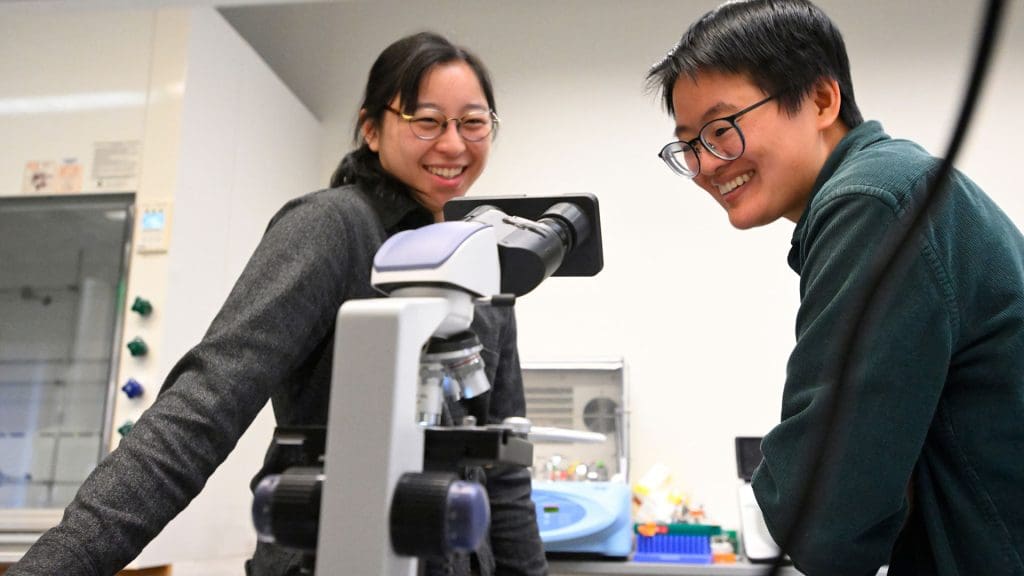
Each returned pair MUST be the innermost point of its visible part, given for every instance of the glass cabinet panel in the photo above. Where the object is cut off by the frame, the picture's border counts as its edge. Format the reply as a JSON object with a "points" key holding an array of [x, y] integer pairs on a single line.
{"points": [[63, 266]]}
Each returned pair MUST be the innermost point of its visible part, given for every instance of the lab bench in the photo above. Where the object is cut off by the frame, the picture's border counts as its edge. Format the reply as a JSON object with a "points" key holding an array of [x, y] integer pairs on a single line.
{"points": [[595, 568], [160, 571], [599, 568]]}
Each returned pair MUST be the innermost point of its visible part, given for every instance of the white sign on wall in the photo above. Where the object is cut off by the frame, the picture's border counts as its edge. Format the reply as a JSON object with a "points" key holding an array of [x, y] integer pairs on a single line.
{"points": [[52, 177], [115, 165]]}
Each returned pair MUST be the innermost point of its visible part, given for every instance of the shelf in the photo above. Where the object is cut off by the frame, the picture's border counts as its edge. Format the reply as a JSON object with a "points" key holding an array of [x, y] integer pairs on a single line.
{"points": [[31, 361], [49, 434]]}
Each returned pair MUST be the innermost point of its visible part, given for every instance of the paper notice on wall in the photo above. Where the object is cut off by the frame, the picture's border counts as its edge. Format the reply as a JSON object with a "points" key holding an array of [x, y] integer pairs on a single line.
{"points": [[115, 165], [52, 177]]}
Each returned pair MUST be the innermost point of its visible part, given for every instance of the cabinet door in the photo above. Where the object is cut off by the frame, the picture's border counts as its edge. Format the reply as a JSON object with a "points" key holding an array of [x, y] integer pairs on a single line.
{"points": [[62, 284]]}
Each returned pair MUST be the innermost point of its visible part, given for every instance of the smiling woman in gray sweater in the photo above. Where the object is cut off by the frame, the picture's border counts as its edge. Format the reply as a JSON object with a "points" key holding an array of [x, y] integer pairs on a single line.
{"points": [[273, 338]]}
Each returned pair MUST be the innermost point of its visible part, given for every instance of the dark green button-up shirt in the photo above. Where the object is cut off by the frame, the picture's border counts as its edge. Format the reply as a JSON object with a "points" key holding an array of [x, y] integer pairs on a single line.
{"points": [[924, 469]]}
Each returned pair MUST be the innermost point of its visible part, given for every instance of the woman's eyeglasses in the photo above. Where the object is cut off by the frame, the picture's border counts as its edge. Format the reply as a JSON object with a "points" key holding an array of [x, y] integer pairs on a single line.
{"points": [[430, 124]]}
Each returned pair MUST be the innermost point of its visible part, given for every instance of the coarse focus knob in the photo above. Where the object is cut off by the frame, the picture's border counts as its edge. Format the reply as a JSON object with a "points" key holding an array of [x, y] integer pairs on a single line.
{"points": [[435, 514], [286, 508]]}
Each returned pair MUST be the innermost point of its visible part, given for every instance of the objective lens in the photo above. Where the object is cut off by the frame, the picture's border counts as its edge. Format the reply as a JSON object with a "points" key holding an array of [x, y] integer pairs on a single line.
{"points": [[430, 395], [458, 359], [469, 373]]}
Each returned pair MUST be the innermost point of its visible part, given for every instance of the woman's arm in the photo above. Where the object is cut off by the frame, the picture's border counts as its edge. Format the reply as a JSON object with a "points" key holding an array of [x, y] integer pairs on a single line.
{"points": [[888, 399]]}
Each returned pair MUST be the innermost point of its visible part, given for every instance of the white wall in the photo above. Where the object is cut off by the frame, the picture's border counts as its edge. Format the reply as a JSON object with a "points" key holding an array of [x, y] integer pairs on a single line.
{"points": [[59, 98], [703, 314]]}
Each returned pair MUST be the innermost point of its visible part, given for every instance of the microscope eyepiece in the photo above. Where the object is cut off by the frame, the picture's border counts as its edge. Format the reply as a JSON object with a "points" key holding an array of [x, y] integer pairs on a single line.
{"points": [[569, 222]]}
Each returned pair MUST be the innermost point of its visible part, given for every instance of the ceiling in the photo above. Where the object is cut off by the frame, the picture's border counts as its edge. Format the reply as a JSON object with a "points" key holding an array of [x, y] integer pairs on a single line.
{"points": [[294, 40], [321, 49], [134, 4]]}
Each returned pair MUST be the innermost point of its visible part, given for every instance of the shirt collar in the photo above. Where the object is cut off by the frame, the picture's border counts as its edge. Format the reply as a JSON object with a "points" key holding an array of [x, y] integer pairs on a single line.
{"points": [[395, 206], [864, 135]]}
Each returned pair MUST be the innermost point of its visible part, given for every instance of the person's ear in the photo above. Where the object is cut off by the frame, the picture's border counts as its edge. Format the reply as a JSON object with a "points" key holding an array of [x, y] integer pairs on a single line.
{"points": [[827, 99], [371, 133]]}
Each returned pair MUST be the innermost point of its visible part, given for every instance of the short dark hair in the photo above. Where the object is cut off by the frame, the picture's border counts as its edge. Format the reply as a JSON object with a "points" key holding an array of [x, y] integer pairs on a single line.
{"points": [[784, 46], [398, 71]]}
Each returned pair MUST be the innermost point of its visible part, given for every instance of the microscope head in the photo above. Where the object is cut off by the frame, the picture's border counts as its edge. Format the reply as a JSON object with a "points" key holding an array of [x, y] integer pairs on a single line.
{"points": [[454, 255], [538, 236]]}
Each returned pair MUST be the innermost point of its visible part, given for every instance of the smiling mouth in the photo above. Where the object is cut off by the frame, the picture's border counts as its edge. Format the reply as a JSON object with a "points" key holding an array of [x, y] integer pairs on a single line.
{"points": [[446, 173], [735, 183]]}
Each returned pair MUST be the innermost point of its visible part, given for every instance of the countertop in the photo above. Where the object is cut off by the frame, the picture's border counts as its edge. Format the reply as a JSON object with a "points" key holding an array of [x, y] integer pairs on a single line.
{"points": [[579, 568], [608, 568]]}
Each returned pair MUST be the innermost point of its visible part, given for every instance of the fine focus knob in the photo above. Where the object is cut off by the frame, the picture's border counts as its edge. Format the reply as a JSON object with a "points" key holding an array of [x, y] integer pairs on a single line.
{"points": [[434, 514]]}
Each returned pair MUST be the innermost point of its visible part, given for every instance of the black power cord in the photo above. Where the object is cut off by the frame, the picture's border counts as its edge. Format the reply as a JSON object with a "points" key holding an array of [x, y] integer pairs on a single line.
{"points": [[885, 264]]}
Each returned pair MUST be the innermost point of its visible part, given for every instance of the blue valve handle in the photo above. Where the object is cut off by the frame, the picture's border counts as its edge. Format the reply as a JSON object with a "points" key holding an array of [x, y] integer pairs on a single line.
{"points": [[132, 388]]}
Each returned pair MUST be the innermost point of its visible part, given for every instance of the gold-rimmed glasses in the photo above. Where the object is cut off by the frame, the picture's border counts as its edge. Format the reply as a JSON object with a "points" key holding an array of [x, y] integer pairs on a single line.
{"points": [[430, 123]]}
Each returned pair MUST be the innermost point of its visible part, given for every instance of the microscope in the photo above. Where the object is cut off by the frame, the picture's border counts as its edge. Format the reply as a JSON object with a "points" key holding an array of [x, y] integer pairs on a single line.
{"points": [[378, 487]]}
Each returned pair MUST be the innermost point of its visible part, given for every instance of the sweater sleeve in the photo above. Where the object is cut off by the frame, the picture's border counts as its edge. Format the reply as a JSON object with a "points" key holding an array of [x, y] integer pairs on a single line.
{"points": [[515, 537], [894, 380], [282, 305]]}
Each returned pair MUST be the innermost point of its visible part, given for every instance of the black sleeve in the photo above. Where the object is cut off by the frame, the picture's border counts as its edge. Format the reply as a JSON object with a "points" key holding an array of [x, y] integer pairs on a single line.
{"points": [[515, 538], [281, 307]]}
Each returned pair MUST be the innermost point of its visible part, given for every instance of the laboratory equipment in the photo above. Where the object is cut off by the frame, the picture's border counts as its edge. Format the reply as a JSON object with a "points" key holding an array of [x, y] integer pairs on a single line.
{"points": [[580, 487], [588, 395], [758, 544], [383, 491], [585, 519], [675, 543]]}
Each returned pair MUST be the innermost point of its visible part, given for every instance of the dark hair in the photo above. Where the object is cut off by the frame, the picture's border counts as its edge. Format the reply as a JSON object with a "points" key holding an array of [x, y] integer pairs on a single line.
{"points": [[398, 71], [784, 46]]}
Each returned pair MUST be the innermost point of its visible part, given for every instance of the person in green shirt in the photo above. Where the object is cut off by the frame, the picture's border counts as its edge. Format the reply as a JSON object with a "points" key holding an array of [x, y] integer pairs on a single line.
{"points": [[924, 465]]}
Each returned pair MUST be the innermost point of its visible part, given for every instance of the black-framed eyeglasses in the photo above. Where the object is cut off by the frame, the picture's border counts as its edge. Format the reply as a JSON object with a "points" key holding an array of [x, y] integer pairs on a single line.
{"points": [[430, 124], [721, 137]]}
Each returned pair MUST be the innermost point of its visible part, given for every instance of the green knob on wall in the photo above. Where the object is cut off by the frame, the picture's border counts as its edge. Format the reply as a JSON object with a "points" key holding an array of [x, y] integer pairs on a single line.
{"points": [[125, 428], [137, 347], [142, 306]]}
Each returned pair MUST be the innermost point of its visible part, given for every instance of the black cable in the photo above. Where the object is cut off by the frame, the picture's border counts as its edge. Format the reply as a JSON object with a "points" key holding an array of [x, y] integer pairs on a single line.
{"points": [[885, 262]]}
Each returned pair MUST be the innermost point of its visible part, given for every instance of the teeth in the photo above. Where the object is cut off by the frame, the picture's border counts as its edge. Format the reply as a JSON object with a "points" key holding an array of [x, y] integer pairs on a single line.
{"points": [[731, 185], [445, 172]]}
